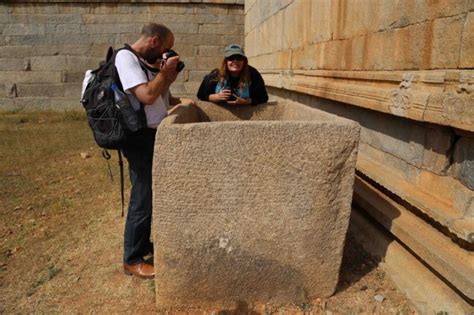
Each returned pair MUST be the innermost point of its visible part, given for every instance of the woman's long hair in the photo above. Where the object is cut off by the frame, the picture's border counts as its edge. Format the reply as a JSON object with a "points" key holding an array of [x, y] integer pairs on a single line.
{"points": [[244, 76]]}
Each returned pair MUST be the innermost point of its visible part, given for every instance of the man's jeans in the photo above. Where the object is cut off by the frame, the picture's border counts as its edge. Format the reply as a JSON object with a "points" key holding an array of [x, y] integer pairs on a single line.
{"points": [[139, 153]]}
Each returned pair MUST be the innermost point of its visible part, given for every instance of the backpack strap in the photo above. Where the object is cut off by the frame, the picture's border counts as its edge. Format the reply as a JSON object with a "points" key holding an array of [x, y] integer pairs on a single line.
{"points": [[121, 178]]}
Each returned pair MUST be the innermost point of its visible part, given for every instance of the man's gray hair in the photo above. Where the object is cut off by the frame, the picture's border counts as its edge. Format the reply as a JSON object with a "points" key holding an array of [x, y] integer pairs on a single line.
{"points": [[155, 29]]}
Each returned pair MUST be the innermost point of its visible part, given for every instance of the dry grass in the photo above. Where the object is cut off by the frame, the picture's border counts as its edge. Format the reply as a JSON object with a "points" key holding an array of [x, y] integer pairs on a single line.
{"points": [[61, 231]]}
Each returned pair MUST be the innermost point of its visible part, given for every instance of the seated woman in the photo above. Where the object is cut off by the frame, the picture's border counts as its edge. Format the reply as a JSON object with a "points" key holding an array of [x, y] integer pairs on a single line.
{"points": [[235, 83]]}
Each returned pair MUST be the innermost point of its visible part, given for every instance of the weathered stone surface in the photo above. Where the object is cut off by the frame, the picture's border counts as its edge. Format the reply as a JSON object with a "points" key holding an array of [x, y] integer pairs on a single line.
{"points": [[221, 29], [45, 34], [49, 63], [214, 51], [467, 44], [30, 77], [11, 64], [40, 89], [240, 206], [446, 257], [24, 29], [446, 42], [428, 293], [463, 158]]}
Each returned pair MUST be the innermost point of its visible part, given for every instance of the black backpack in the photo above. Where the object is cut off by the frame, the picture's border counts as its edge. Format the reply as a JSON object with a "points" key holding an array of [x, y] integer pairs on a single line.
{"points": [[113, 122]]}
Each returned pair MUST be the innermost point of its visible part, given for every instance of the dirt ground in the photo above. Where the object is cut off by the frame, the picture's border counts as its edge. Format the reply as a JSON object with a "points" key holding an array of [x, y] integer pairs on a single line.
{"points": [[61, 232]]}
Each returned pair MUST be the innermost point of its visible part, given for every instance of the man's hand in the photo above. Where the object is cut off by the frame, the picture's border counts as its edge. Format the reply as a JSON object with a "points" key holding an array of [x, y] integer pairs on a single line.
{"points": [[240, 101], [168, 68], [186, 101], [182, 102]]}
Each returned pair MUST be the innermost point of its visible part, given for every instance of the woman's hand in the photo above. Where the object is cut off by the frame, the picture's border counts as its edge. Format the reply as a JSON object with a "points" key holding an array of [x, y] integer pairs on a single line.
{"points": [[223, 95], [240, 101]]}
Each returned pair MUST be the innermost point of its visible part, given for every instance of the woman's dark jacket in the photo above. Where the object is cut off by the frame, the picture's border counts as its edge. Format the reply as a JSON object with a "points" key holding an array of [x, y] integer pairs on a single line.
{"points": [[258, 93]]}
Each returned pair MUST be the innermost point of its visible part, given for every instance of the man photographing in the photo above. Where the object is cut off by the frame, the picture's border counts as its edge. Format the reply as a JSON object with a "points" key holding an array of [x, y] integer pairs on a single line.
{"points": [[146, 75]]}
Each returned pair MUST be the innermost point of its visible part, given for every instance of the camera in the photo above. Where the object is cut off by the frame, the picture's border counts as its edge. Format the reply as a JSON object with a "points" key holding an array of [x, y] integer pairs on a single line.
{"points": [[171, 53], [232, 96]]}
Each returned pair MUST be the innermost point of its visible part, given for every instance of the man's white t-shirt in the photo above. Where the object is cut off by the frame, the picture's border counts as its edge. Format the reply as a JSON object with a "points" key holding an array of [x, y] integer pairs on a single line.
{"points": [[131, 74]]}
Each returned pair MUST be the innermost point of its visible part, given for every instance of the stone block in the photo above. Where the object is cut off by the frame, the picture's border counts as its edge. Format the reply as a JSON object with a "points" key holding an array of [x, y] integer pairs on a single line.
{"points": [[81, 64], [198, 39], [40, 90], [185, 50], [177, 89], [5, 18], [164, 8], [211, 9], [215, 51], [75, 8], [35, 8], [53, 18], [5, 8], [104, 8], [12, 64], [29, 40], [183, 28], [191, 87], [296, 23], [24, 29], [65, 103], [221, 29], [133, 8], [72, 90], [117, 18], [463, 161], [64, 29], [49, 63], [208, 63], [69, 77], [446, 42], [113, 28], [197, 75], [32, 103], [253, 211], [230, 39], [8, 77], [26, 51], [467, 43], [320, 21], [3, 91]]}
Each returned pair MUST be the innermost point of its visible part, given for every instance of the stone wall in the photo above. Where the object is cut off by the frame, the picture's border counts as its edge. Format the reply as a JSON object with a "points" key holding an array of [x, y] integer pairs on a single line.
{"points": [[404, 70], [46, 46]]}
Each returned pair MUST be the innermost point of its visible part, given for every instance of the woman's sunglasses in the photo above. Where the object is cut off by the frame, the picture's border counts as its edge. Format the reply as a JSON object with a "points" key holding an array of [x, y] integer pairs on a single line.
{"points": [[235, 58]]}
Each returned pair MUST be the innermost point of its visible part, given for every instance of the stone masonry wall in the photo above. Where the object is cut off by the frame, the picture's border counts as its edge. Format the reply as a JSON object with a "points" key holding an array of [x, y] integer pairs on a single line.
{"points": [[46, 46], [402, 69]]}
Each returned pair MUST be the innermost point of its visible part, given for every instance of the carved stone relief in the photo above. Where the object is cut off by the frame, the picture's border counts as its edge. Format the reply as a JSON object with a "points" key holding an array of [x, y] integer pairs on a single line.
{"points": [[460, 106], [400, 98]]}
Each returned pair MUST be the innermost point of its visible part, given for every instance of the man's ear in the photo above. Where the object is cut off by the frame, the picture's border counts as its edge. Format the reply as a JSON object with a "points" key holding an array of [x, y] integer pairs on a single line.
{"points": [[154, 41]]}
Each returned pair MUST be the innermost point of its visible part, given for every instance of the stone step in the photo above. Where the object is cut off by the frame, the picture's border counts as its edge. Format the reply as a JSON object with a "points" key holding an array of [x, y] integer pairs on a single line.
{"points": [[437, 207], [428, 293], [452, 262]]}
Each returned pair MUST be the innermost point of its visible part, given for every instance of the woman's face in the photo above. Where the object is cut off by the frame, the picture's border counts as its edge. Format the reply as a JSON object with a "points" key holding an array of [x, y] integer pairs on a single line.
{"points": [[235, 64]]}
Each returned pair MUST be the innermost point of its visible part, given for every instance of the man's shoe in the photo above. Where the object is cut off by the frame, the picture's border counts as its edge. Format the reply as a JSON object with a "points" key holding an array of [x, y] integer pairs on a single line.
{"points": [[141, 270]]}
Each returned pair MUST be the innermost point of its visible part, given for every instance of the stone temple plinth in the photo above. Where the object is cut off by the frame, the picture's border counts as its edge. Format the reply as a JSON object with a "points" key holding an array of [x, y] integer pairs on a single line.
{"points": [[251, 204]]}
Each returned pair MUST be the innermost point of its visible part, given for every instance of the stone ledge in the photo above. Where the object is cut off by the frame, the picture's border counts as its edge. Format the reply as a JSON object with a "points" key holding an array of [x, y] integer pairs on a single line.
{"points": [[447, 258], [441, 97], [239, 2], [438, 206], [429, 294]]}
